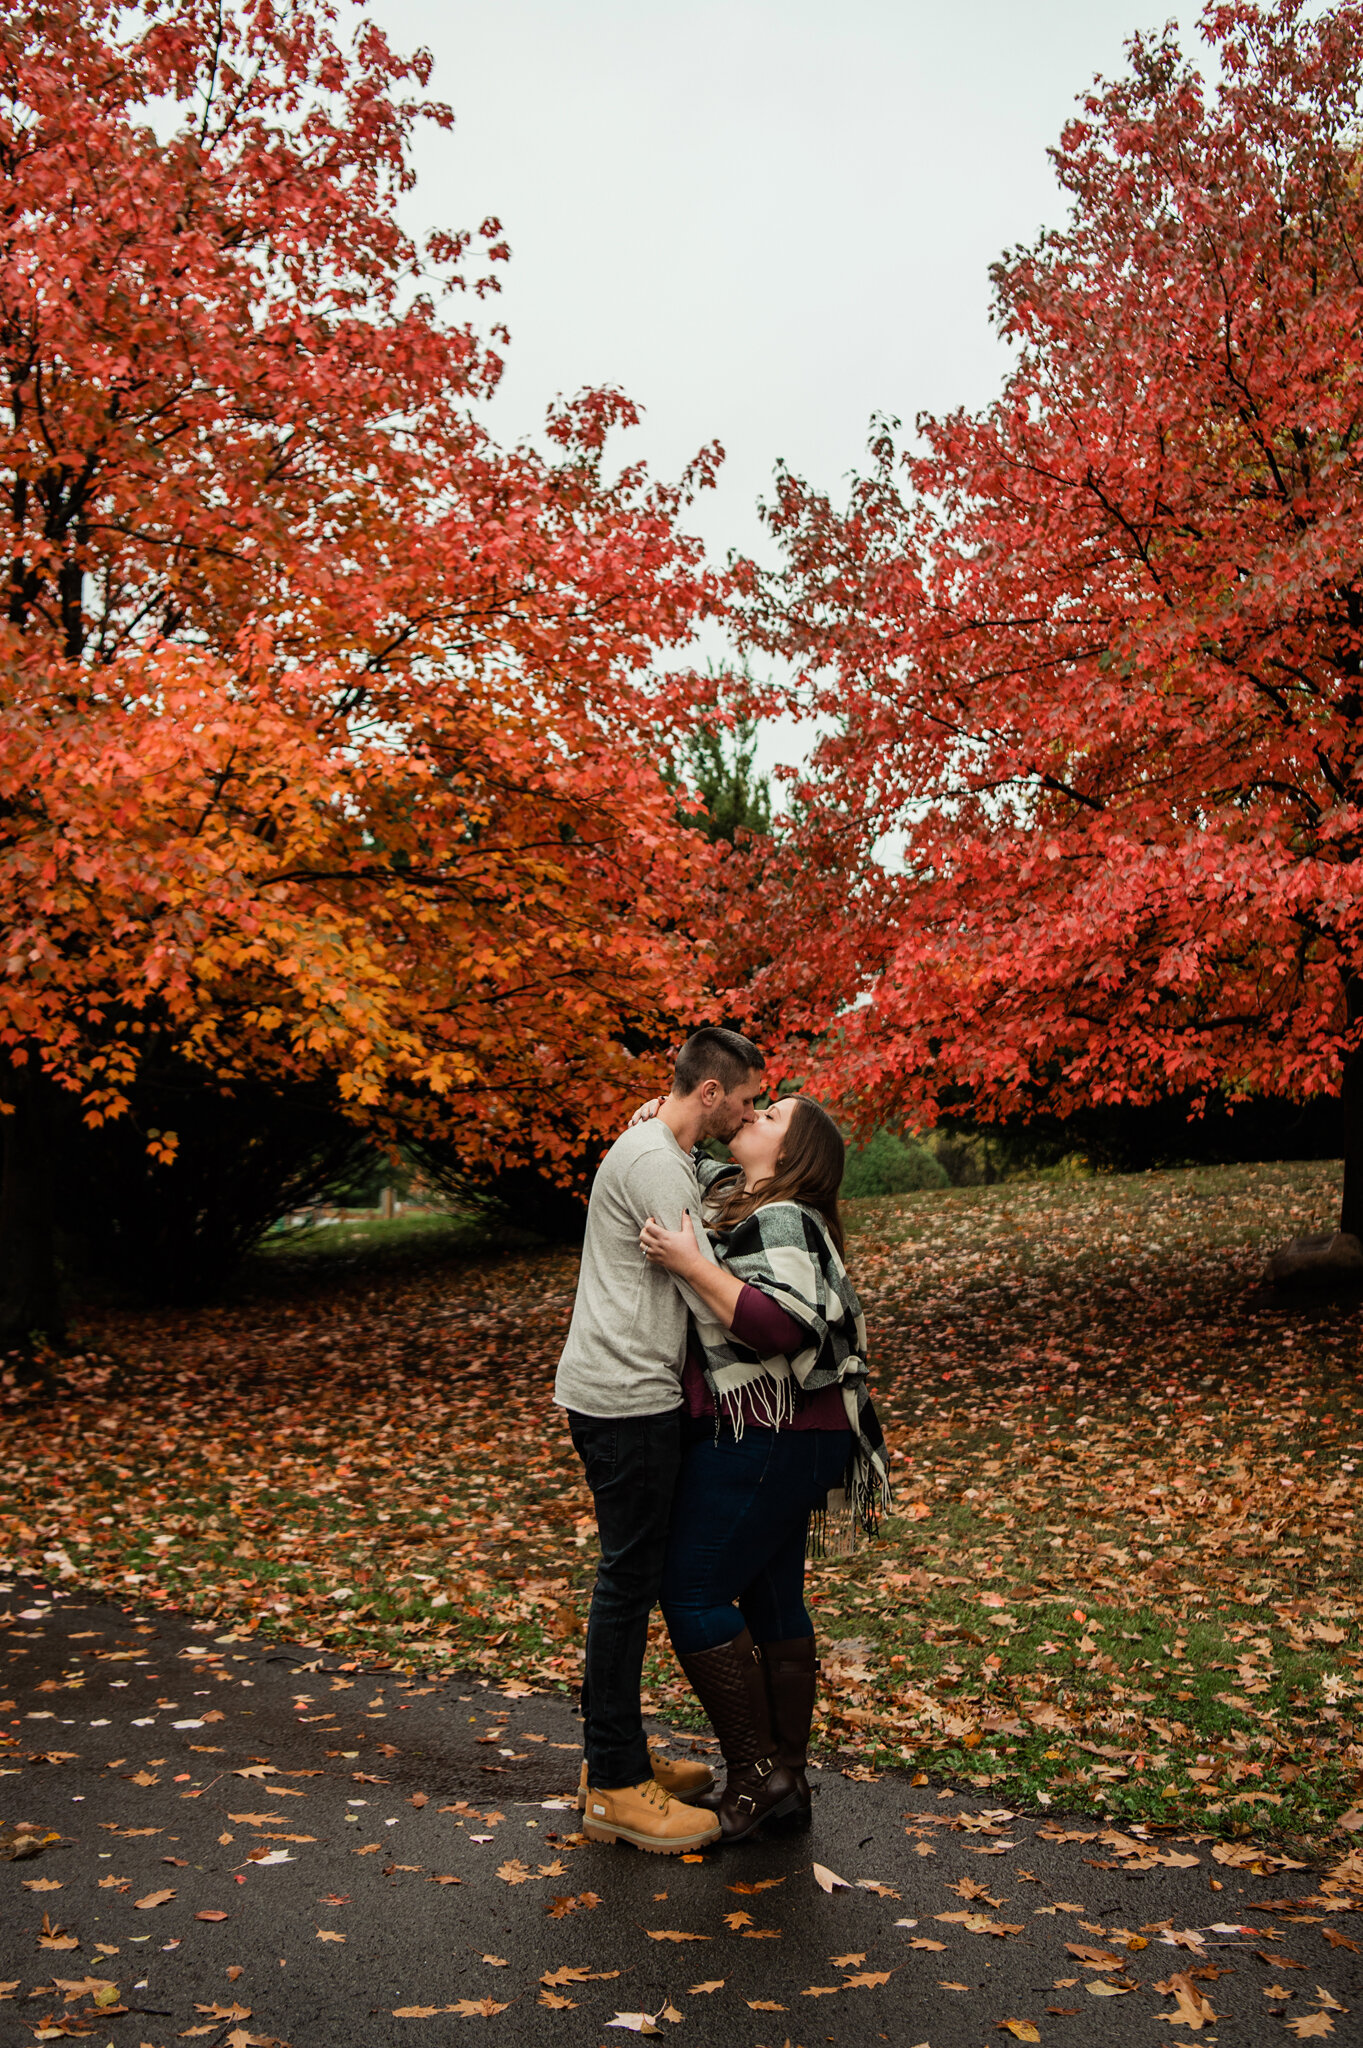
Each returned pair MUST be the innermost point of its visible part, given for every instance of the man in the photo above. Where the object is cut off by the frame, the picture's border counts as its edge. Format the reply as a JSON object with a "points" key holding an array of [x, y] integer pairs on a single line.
{"points": [[620, 1380]]}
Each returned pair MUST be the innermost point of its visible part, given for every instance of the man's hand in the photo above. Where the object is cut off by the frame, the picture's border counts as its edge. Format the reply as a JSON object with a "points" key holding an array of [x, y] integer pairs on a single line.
{"points": [[675, 1250], [644, 1112]]}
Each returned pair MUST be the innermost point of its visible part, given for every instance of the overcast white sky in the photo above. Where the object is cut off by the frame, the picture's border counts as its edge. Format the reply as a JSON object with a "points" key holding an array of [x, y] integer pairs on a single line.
{"points": [[764, 219]]}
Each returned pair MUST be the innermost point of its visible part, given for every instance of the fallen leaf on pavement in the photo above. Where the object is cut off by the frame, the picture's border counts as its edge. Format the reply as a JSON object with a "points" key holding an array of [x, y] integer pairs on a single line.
{"points": [[866, 1980], [1310, 2026], [635, 2022], [475, 2008], [1021, 2030], [827, 1882], [1194, 2010], [765, 2005], [326, 1934], [672, 1934], [693, 1991]]}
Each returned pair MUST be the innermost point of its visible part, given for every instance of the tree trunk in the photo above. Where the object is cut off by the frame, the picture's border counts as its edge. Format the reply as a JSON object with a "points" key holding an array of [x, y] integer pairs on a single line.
{"points": [[31, 1306], [1351, 1208]]}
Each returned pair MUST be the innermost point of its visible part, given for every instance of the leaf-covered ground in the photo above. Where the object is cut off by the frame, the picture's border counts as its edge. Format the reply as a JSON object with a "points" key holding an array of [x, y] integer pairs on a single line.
{"points": [[1123, 1570]]}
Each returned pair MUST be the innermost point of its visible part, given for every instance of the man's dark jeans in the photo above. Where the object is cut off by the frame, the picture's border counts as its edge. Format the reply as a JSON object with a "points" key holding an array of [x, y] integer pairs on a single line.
{"points": [[631, 1462]]}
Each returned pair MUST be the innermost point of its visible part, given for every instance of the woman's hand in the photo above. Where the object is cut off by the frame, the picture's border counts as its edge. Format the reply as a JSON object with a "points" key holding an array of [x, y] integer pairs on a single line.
{"points": [[675, 1250], [645, 1111]]}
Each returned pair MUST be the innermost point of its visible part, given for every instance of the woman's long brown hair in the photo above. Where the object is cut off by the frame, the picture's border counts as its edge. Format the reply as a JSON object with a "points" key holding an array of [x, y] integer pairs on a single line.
{"points": [[809, 1170]]}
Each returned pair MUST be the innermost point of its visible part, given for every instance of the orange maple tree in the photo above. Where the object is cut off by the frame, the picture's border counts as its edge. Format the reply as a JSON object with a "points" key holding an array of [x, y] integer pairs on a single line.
{"points": [[1087, 824], [329, 729]]}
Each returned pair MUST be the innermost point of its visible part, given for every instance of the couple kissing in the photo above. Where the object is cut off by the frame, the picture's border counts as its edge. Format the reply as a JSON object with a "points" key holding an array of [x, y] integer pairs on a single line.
{"points": [[715, 1383]]}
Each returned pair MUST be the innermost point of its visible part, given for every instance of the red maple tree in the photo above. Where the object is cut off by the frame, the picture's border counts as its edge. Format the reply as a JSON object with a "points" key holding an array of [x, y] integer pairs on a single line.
{"points": [[1088, 823], [329, 730]]}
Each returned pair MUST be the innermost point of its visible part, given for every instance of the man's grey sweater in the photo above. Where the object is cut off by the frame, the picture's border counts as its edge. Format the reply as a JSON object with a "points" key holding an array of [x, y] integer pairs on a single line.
{"points": [[627, 1341]]}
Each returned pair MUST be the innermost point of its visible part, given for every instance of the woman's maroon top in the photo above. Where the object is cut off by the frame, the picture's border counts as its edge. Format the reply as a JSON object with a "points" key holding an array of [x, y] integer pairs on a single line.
{"points": [[764, 1327]]}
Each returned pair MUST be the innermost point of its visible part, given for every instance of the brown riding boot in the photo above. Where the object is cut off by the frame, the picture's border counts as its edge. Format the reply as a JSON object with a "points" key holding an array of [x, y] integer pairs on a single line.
{"points": [[729, 1684], [792, 1674]]}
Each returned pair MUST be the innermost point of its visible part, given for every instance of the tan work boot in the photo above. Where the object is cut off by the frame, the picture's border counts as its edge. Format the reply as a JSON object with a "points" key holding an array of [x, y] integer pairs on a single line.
{"points": [[681, 1780], [647, 1816]]}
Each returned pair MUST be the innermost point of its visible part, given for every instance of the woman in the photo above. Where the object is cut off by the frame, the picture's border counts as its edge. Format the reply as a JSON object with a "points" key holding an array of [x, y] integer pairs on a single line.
{"points": [[779, 1416]]}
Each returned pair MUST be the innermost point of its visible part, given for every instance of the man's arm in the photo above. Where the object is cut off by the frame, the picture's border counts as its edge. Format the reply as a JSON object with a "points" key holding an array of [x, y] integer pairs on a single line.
{"points": [[663, 1185]]}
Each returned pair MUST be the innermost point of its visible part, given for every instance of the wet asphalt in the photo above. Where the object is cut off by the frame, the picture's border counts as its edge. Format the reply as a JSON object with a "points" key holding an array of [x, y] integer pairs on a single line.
{"points": [[337, 1845]]}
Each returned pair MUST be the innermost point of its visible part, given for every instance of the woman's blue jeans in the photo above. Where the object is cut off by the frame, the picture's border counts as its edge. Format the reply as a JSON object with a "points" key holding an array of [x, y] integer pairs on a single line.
{"points": [[740, 1518]]}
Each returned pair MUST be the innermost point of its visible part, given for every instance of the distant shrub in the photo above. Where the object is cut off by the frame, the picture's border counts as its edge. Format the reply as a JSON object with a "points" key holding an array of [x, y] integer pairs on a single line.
{"points": [[891, 1165]]}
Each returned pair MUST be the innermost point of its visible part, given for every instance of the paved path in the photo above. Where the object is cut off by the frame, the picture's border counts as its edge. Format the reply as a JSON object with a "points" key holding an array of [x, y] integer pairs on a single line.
{"points": [[335, 1846]]}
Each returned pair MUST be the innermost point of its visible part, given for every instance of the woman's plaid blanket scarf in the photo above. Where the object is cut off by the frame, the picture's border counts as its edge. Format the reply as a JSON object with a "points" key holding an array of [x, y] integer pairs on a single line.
{"points": [[785, 1250]]}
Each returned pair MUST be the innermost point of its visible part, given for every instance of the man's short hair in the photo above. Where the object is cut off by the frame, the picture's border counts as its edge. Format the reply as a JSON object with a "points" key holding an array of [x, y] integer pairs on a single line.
{"points": [[713, 1054]]}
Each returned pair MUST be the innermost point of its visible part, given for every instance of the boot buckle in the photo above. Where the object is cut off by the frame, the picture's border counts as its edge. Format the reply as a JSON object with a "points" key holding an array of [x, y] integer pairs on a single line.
{"points": [[763, 1766]]}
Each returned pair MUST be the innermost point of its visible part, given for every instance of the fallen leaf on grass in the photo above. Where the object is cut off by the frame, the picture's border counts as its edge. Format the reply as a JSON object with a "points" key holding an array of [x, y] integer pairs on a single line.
{"points": [[827, 1882]]}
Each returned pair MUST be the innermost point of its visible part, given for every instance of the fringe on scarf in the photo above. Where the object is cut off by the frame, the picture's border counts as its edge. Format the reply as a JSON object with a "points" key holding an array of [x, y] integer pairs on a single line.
{"points": [[853, 1506], [772, 1400]]}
